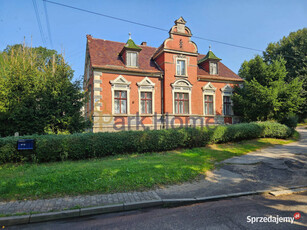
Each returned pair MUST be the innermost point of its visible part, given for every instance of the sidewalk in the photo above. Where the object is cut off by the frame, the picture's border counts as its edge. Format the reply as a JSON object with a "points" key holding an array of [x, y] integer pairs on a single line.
{"points": [[69, 203], [273, 168]]}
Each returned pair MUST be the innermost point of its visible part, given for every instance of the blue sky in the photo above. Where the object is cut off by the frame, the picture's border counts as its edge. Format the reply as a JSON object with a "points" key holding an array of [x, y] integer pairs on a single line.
{"points": [[247, 23]]}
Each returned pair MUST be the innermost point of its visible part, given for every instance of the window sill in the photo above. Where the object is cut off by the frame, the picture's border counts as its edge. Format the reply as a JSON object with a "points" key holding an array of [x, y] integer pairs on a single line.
{"points": [[131, 115], [134, 67], [182, 115], [184, 76], [145, 115], [120, 115]]}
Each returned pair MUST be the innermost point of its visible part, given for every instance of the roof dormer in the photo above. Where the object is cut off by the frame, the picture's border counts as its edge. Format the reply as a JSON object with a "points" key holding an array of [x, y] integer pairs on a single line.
{"points": [[130, 53], [210, 63]]}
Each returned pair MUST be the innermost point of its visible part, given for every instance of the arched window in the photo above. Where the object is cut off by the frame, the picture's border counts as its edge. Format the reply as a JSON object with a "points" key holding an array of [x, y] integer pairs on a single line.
{"points": [[182, 97]]}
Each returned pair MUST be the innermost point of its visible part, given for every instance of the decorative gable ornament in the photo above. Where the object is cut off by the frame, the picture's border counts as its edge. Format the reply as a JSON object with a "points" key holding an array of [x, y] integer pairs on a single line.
{"points": [[182, 85], [180, 28], [120, 82], [146, 83], [209, 88], [227, 90], [180, 23]]}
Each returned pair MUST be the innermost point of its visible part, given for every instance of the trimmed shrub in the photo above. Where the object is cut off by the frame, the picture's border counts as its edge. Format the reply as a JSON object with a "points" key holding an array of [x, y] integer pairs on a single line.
{"points": [[51, 148], [290, 121]]}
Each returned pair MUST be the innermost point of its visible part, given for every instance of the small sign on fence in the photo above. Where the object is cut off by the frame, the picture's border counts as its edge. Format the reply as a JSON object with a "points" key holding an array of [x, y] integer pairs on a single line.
{"points": [[25, 144]]}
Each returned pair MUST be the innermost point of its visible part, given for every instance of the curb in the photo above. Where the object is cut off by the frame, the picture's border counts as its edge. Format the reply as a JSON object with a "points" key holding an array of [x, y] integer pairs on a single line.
{"points": [[34, 218]]}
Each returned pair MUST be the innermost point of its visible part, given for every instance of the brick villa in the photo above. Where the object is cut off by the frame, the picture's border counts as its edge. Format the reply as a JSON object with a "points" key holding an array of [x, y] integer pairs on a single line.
{"points": [[168, 86]]}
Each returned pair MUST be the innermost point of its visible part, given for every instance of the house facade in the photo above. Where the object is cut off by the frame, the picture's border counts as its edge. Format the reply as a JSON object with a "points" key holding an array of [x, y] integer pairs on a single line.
{"points": [[133, 87]]}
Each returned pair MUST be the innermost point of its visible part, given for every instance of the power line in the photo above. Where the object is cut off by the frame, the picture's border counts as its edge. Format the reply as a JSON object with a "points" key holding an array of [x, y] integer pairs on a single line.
{"points": [[39, 22], [104, 15], [228, 44], [48, 24], [149, 26]]}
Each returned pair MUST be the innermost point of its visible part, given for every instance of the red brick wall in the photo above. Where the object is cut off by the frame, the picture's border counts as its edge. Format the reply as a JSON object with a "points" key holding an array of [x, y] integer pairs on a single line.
{"points": [[167, 62], [106, 94]]}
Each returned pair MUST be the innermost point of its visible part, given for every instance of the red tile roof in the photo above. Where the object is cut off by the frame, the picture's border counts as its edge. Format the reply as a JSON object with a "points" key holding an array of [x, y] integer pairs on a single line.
{"points": [[105, 54], [224, 73]]}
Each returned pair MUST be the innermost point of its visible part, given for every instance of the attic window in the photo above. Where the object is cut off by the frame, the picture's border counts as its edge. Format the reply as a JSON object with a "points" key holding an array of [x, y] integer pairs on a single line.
{"points": [[213, 68], [131, 59]]}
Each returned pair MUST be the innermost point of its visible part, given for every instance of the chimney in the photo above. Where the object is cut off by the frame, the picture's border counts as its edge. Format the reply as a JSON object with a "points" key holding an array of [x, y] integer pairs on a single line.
{"points": [[144, 44]]}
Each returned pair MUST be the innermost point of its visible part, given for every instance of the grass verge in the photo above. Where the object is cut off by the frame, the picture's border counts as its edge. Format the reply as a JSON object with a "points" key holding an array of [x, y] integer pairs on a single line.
{"points": [[120, 173]]}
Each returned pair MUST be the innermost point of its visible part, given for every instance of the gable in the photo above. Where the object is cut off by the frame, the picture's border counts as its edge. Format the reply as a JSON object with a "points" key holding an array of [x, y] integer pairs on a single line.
{"points": [[120, 80], [146, 82]]}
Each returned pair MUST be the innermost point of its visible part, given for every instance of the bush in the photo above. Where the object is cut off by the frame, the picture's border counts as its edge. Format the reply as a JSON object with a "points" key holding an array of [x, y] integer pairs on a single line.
{"points": [[290, 121], [51, 148]]}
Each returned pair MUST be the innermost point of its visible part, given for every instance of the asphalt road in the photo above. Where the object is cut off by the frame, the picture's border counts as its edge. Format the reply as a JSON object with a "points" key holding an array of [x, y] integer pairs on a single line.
{"points": [[224, 214]]}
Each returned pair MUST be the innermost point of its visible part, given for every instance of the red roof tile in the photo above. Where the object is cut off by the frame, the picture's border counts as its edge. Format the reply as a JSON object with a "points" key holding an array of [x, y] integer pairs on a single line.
{"points": [[224, 73], [105, 54]]}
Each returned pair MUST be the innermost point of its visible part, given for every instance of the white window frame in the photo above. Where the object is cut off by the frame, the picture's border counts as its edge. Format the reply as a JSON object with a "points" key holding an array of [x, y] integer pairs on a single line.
{"points": [[209, 89], [121, 84], [227, 91], [136, 57], [217, 67], [186, 66], [182, 86], [147, 86]]}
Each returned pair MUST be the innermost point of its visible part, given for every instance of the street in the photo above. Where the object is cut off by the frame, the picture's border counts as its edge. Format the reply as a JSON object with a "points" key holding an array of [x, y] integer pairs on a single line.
{"points": [[223, 214]]}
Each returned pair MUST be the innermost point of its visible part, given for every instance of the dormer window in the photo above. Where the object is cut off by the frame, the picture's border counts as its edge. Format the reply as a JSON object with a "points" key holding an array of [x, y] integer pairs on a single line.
{"points": [[131, 59], [130, 53], [181, 67], [210, 63], [213, 68]]}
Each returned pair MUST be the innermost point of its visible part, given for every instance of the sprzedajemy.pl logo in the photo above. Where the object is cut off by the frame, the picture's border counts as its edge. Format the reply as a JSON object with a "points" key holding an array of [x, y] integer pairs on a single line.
{"points": [[273, 219]]}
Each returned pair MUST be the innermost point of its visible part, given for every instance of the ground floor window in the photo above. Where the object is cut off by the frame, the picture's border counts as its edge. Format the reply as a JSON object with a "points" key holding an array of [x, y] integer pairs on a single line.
{"points": [[120, 102], [208, 104], [146, 102], [226, 105], [181, 103]]}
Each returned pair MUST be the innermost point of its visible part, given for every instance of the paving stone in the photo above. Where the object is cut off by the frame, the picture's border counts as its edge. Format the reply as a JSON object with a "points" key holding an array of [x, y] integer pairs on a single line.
{"points": [[58, 204]]}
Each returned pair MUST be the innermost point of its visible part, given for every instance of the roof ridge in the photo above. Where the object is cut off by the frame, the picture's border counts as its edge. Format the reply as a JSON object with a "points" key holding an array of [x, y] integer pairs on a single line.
{"points": [[121, 42]]}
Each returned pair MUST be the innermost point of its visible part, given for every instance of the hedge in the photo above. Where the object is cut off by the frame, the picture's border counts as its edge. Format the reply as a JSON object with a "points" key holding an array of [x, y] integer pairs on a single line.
{"points": [[50, 148]]}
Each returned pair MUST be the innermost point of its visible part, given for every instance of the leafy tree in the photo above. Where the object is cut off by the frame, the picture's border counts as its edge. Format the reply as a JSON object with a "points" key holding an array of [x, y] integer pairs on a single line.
{"points": [[293, 49], [37, 94], [265, 94]]}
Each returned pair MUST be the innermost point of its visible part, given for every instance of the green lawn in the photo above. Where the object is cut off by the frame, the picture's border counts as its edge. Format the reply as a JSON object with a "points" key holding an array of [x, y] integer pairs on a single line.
{"points": [[120, 173]]}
